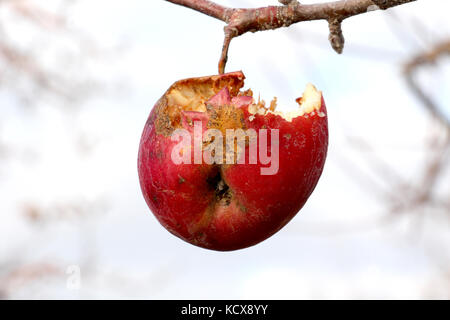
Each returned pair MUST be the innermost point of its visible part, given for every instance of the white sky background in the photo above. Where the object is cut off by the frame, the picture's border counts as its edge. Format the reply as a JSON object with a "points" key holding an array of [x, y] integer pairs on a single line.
{"points": [[334, 248]]}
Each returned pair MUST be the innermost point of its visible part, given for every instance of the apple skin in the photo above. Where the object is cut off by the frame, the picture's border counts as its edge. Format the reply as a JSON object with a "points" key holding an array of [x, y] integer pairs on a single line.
{"points": [[184, 197]]}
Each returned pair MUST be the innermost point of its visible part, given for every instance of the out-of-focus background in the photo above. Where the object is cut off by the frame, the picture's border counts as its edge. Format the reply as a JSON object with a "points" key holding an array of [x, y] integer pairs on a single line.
{"points": [[77, 82]]}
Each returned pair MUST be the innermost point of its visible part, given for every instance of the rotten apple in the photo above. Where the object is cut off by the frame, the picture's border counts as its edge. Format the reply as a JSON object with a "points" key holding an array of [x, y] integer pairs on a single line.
{"points": [[227, 193]]}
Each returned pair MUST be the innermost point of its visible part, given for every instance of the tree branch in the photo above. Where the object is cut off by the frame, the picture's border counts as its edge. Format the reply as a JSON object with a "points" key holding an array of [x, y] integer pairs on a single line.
{"points": [[207, 7], [240, 21], [427, 58]]}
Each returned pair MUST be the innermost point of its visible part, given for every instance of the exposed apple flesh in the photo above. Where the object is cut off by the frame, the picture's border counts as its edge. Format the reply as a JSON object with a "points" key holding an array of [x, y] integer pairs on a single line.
{"points": [[230, 206]]}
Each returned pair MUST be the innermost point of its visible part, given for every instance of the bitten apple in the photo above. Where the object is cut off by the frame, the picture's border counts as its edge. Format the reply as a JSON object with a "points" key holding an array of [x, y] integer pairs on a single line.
{"points": [[220, 204]]}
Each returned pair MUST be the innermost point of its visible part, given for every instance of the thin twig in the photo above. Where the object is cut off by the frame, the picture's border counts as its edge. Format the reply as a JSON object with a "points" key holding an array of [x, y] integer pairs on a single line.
{"points": [[240, 21], [427, 58]]}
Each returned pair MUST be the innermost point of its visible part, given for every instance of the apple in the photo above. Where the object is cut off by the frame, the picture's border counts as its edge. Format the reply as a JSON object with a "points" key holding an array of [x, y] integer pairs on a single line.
{"points": [[220, 193]]}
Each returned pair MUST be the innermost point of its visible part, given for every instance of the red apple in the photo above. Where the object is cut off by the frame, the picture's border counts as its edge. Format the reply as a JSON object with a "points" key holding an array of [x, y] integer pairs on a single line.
{"points": [[229, 205]]}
